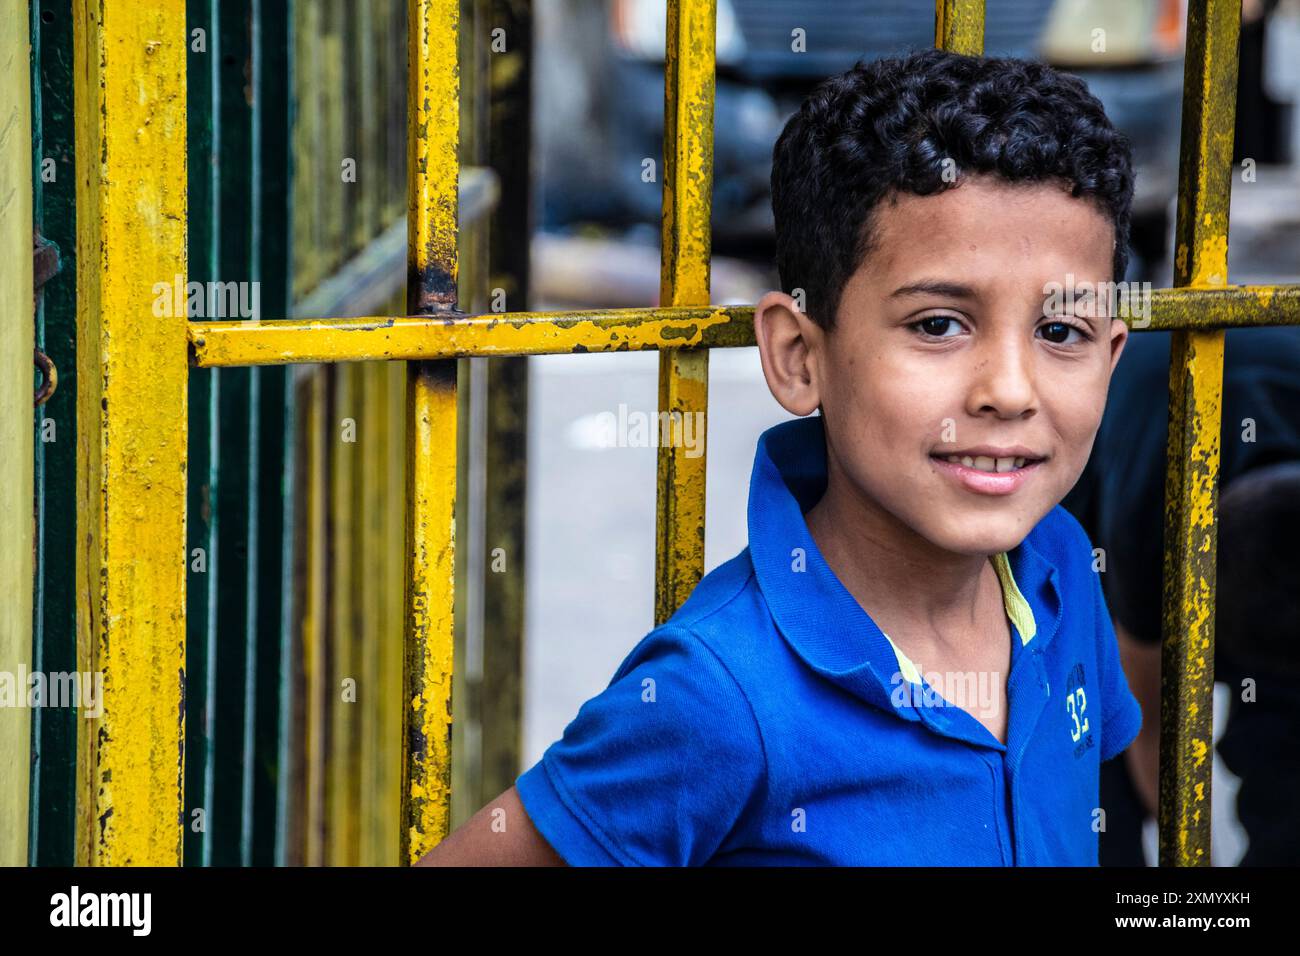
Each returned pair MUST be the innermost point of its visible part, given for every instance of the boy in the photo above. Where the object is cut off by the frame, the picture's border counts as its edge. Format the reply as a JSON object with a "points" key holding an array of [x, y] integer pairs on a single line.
{"points": [[924, 205]]}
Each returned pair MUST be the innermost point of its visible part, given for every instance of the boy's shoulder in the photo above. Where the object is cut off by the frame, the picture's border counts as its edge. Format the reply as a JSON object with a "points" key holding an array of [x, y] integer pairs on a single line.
{"points": [[721, 592], [722, 612]]}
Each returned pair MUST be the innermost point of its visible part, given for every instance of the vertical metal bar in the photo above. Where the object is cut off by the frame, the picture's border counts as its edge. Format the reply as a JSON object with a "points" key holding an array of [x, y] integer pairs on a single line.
{"points": [[294, 802], [1195, 409], [204, 229], [370, 492], [471, 439], [237, 473], [130, 104], [432, 167], [367, 130], [315, 614], [308, 191], [272, 67], [287, 846], [507, 415], [343, 757], [330, 150], [369, 505], [392, 651], [684, 280], [959, 26], [305, 844], [35, 649], [329, 154], [396, 83], [54, 729], [16, 343]]}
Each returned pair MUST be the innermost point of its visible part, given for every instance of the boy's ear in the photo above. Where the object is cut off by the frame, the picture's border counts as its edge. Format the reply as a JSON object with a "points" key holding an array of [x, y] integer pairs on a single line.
{"points": [[1119, 334], [788, 345]]}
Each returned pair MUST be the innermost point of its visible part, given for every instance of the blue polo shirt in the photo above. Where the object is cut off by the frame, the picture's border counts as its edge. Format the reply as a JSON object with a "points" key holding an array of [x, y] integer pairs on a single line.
{"points": [[771, 722]]}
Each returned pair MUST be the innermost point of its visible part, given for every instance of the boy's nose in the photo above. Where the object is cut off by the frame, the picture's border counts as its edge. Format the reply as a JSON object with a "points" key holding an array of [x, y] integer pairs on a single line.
{"points": [[1002, 380]]}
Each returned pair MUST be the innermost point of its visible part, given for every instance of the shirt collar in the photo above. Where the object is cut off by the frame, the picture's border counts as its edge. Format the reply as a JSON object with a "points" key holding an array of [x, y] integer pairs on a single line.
{"points": [[816, 614]]}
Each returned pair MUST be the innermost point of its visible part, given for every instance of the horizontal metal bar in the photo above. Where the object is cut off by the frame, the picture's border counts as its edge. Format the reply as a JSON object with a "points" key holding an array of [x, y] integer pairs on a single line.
{"points": [[437, 337], [1204, 309], [412, 338]]}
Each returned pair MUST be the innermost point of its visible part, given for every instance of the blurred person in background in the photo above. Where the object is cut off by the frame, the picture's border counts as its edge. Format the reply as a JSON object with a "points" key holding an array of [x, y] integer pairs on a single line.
{"points": [[1119, 501]]}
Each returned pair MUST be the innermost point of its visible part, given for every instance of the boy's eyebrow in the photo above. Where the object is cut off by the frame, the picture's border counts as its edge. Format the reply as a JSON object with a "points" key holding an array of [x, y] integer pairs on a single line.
{"points": [[951, 290]]}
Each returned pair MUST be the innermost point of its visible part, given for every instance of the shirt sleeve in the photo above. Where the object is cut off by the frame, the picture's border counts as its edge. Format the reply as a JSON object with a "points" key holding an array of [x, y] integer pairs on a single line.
{"points": [[657, 769]]}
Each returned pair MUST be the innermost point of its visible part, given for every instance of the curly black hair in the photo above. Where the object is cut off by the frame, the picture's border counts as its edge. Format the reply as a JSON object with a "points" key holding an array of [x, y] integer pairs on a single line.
{"points": [[888, 126]]}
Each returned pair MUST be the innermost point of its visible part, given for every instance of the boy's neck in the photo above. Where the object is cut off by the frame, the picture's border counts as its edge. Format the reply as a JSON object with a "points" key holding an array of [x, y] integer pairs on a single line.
{"points": [[906, 583]]}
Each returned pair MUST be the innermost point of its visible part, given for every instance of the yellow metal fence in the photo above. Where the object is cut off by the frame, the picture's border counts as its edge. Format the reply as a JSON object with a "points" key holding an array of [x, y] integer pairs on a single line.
{"points": [[132, 459]]}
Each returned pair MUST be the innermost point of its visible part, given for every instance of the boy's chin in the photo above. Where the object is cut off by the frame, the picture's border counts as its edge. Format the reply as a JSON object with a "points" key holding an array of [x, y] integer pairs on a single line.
{"points": [[986, 535]]}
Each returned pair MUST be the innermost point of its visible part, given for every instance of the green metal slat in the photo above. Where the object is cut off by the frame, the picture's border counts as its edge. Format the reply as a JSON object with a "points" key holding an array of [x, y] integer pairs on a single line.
{"points": [[272, 69], [237, 475], [51, 835], [204, 225]]}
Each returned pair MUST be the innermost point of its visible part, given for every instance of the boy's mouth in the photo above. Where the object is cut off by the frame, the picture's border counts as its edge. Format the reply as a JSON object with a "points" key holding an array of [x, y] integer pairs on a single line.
{"points": [[990, 470]]}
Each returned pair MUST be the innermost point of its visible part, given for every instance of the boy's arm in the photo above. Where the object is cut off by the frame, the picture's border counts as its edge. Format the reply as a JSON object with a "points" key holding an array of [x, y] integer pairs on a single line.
{"points": [[1141, 662], [513, 841]]}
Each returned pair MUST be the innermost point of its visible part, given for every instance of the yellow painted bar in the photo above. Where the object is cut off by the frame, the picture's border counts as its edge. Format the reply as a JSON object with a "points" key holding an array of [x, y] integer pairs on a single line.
{"points": [[684, 281], [959, 26], [315, 613], [131, 428], [370, 496], [433, 117], [1195, 410], [16, 339], [392, 659], [342, 755], [420, 338], [308, 132], [332, 147]]}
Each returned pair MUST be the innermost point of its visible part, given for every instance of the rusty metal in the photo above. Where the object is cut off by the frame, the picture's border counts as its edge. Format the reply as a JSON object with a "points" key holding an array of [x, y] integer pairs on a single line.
{"points": [[45, 261], [959, 26], [433, 136], [49, 374], [684, 281], [1195, 411]]}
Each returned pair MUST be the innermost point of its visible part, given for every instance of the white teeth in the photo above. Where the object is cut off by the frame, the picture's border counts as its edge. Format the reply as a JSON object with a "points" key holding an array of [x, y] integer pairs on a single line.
{"points": [[986, 463]]}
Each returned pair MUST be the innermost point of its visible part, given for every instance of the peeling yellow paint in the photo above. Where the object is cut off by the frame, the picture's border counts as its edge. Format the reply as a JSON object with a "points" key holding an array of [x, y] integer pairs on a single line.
{"points": [[959, 26], [131, 428], [432, 169], [684, 281], [1199, 308], [417, 338]]}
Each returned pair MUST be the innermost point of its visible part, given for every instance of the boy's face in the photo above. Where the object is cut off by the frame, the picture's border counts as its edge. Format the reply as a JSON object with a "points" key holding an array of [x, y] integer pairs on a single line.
{"points": [[941, 347]]}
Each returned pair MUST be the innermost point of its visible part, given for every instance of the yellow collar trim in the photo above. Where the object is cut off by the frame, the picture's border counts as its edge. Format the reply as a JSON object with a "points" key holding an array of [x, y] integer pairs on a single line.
{"points": [[1018, 610]]}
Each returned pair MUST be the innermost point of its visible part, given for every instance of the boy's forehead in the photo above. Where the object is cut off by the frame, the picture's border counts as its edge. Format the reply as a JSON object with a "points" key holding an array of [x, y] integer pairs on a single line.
{"points": [[989, 228]]}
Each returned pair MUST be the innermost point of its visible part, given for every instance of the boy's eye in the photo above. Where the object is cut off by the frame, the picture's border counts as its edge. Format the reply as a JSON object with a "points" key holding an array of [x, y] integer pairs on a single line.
{"points": [[1058, 333], [938, 326]]}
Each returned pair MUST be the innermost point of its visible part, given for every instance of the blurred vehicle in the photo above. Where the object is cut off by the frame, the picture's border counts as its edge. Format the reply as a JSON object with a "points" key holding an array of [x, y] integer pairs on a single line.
{"points": [[600, 95]]}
